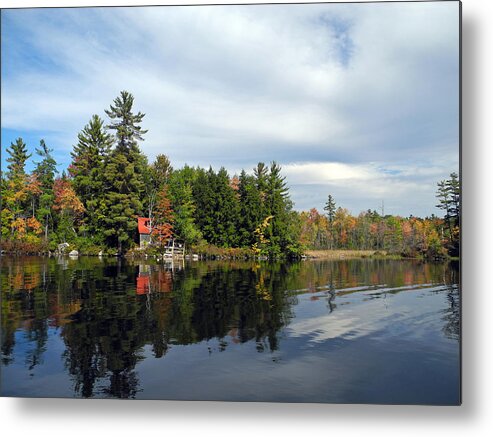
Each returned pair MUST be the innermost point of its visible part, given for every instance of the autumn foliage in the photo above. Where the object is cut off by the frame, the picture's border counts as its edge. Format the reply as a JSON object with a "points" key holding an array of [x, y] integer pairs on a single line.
{"points": [[163, 219], [409, 236], [66, 201], [110, 183]]}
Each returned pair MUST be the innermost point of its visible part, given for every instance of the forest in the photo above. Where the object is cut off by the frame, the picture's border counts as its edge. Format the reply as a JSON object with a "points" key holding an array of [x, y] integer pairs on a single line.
{"points": [[94, 204]]}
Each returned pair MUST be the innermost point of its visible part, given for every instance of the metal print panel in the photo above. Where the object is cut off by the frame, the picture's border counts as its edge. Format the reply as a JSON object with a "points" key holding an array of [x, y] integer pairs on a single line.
{"points": [[235, 203]]}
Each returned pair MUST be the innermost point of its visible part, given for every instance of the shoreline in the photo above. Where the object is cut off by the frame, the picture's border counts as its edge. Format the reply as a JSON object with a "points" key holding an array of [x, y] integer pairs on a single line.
{"points": [[322, 254], [242, 254]]}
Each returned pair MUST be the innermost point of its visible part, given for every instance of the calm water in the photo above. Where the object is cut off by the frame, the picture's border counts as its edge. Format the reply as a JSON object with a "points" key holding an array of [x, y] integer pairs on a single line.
{"points": [[362, 331]]}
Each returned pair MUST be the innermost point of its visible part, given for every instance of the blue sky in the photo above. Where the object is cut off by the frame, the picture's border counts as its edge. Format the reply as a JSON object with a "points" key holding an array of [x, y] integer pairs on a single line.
{"points": [[356, 100]]}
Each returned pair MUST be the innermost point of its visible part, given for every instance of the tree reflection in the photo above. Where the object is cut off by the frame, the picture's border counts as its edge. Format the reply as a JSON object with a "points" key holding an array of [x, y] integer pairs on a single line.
{"points": [[452, 313], [111, 314]]}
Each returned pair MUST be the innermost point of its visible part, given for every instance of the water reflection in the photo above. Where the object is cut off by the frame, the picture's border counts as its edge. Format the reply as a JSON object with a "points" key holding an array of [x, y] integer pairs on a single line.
{"points": [[111, 314]]}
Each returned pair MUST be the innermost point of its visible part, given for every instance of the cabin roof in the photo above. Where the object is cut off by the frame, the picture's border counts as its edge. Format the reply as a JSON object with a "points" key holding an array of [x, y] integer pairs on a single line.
{"points": [[143, 225]]}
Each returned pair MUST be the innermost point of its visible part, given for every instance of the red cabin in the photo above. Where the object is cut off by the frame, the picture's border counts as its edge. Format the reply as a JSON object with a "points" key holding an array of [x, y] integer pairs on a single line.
{"points": [[144, 225]]}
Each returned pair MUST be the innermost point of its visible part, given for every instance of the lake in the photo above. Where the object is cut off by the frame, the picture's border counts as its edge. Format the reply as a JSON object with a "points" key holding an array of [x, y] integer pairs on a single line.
{"points": [[349, 331]]}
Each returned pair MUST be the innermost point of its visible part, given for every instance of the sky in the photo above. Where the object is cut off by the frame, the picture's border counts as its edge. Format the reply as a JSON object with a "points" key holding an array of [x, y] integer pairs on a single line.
{"points": [[360, 101]]}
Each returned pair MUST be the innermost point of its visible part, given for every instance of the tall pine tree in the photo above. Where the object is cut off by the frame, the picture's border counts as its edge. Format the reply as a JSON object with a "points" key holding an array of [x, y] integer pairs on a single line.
{"points": [[226, 211], [45, 173], [17, 159], [448, 195], [181, 193], [250, 209], [89, 158], [278, 205], [124, 175], [330, 208]]}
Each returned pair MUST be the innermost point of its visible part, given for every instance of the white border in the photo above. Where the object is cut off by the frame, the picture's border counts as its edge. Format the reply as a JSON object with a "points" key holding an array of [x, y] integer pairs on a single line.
{"points": [[23, 417]]}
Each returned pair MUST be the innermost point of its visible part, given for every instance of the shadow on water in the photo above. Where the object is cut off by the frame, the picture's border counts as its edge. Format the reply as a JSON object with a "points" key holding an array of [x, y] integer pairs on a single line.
{"points": [[105, 317]]}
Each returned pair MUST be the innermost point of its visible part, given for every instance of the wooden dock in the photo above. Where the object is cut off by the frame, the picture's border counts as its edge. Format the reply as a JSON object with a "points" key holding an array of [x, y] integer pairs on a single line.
{"points": [[175, 250]]}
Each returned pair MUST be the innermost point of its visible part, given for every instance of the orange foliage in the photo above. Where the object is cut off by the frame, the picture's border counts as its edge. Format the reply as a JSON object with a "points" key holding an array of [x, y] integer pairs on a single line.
{"points": [[163, 216], [66, 200], [407, 229], [34, 225], [34, 185], [234, 183]]}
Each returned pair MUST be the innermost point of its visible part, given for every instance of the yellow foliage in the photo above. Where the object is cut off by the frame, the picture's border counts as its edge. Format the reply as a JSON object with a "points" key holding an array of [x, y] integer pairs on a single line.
{"points": [[34, 225], [259, 235], [19, 226]]}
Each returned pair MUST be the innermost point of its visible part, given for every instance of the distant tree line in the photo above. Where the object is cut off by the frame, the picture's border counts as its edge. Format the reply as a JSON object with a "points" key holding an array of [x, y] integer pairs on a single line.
{"points": [[95, 204]]}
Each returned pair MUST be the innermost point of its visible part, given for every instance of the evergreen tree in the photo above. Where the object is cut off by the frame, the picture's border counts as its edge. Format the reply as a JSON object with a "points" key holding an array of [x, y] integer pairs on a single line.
{"points": [[124, 175], [448, 195], [157, 175], [14, 189], [161, 171], [45, 169], [226, 211], [250, 209], [121, 204], [261, 173], [204, 199], [330, 207], [125, 122], [217, 207], [453, 185], [17, 159], [45, 173], [278, 205], [444, 200], [181, 193], [89, 158]]}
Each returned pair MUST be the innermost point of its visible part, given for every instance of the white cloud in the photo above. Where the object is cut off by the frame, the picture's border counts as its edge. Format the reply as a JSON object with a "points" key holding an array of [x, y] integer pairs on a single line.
{"points": [[404, 189], [329, 87], [327, 172]]}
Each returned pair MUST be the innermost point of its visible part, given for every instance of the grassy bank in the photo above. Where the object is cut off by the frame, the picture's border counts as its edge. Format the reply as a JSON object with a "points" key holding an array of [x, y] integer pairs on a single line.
{"points": [[9, 247], [348, 254], [214, 252]]}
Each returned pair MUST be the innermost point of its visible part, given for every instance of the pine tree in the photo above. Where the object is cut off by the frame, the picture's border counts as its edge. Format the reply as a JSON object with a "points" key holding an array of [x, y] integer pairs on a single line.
{"points": [[89, 157], [250, 209], [444, 200], [226, 211], [45, 173], [18, 157], [126, 123], [15, 194], [453, 185], [261, 173], [278, 205], [156, 176], [121, 204], [161, 171], [181, 194], [204, 199], [124, 175], [330, 207], [46, 168], [448, 195]]}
